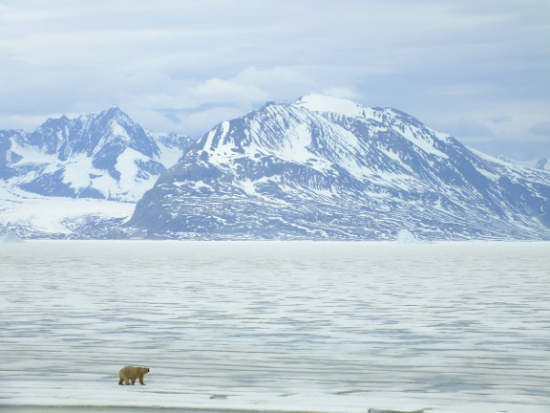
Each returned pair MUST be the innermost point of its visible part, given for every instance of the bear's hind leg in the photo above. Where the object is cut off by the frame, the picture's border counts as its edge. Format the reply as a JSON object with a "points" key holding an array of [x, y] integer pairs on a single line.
{"points": [[133, 381], [120, 380]]}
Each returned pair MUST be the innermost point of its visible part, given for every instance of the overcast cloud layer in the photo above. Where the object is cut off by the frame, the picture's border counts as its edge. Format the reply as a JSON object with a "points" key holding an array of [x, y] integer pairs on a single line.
{"points": [[479, 70]]}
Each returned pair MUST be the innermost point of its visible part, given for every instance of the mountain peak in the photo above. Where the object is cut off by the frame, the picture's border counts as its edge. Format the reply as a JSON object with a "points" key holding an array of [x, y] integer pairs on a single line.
{"points": [[115, 113], [323, 103], [53, 122], [115, 109]]}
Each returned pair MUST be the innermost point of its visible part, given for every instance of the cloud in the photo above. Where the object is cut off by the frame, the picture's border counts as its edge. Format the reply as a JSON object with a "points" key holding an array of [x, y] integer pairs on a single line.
{"points": [[218, 90], [192, 106], [198, 121], [280, 81], [501, 119], [542, 129], [469, 128], [340, 92], [179, 65]]}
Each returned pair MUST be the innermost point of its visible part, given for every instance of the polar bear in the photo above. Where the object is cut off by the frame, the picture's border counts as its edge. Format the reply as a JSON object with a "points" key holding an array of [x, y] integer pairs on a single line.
{"points": [[131, 373]]}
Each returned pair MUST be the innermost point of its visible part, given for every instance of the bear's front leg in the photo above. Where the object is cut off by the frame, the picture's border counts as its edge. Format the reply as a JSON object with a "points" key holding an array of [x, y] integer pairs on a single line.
{"points": [[141, 379]]}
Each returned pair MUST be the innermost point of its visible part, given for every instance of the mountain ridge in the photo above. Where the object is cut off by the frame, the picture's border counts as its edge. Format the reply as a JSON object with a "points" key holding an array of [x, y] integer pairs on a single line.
{"points": [[326, 168], [103, 156], [318, 168]]}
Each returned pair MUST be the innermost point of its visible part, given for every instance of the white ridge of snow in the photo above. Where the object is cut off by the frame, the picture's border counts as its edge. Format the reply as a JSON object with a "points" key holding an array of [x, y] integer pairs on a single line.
{"points": [[511, 170], [225, 129], [30, 155], [119, 132], [420, 142], [208, 143], [327, 104], [322, 103]]}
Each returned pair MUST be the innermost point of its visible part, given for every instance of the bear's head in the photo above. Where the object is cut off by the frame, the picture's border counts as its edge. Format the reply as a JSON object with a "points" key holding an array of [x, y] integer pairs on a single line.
{"points": [[145, 370]]}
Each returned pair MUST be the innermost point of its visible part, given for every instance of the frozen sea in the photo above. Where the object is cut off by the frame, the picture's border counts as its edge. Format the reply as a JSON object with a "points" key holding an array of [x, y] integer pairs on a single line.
{"points": [[275, 326]]}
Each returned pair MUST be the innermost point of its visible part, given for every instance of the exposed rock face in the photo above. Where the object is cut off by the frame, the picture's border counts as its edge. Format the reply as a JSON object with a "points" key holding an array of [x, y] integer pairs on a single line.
{"points": [[325, 168]]}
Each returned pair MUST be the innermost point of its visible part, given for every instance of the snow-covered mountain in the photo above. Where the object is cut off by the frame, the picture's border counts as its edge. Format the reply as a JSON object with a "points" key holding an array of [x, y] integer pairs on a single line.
{"points": [[326, 168], [80, 178], [102, 156]]}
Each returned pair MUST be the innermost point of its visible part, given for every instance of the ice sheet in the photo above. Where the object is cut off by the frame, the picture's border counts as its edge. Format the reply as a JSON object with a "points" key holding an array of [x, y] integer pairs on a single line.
{"points": [[288, 326]]}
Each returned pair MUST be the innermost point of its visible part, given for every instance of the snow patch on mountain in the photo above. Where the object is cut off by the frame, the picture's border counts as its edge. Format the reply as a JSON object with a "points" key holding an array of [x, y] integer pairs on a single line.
{"points": [[322, 103], [133, 180], [423, 139], [76, 171], [28, 155]]}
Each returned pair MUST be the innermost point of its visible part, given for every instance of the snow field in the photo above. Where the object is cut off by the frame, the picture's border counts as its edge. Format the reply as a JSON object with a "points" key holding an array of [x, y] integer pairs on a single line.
{"points": [[54, 215], [289, 326]]}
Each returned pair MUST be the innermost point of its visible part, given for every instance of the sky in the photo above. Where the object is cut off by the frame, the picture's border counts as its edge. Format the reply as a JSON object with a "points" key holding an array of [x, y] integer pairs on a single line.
{"points": [[479, 70]]}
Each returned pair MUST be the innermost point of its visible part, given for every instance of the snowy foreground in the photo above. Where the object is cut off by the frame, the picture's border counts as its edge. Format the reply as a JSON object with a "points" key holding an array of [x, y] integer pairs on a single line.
{"points": [[253, 326]]}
